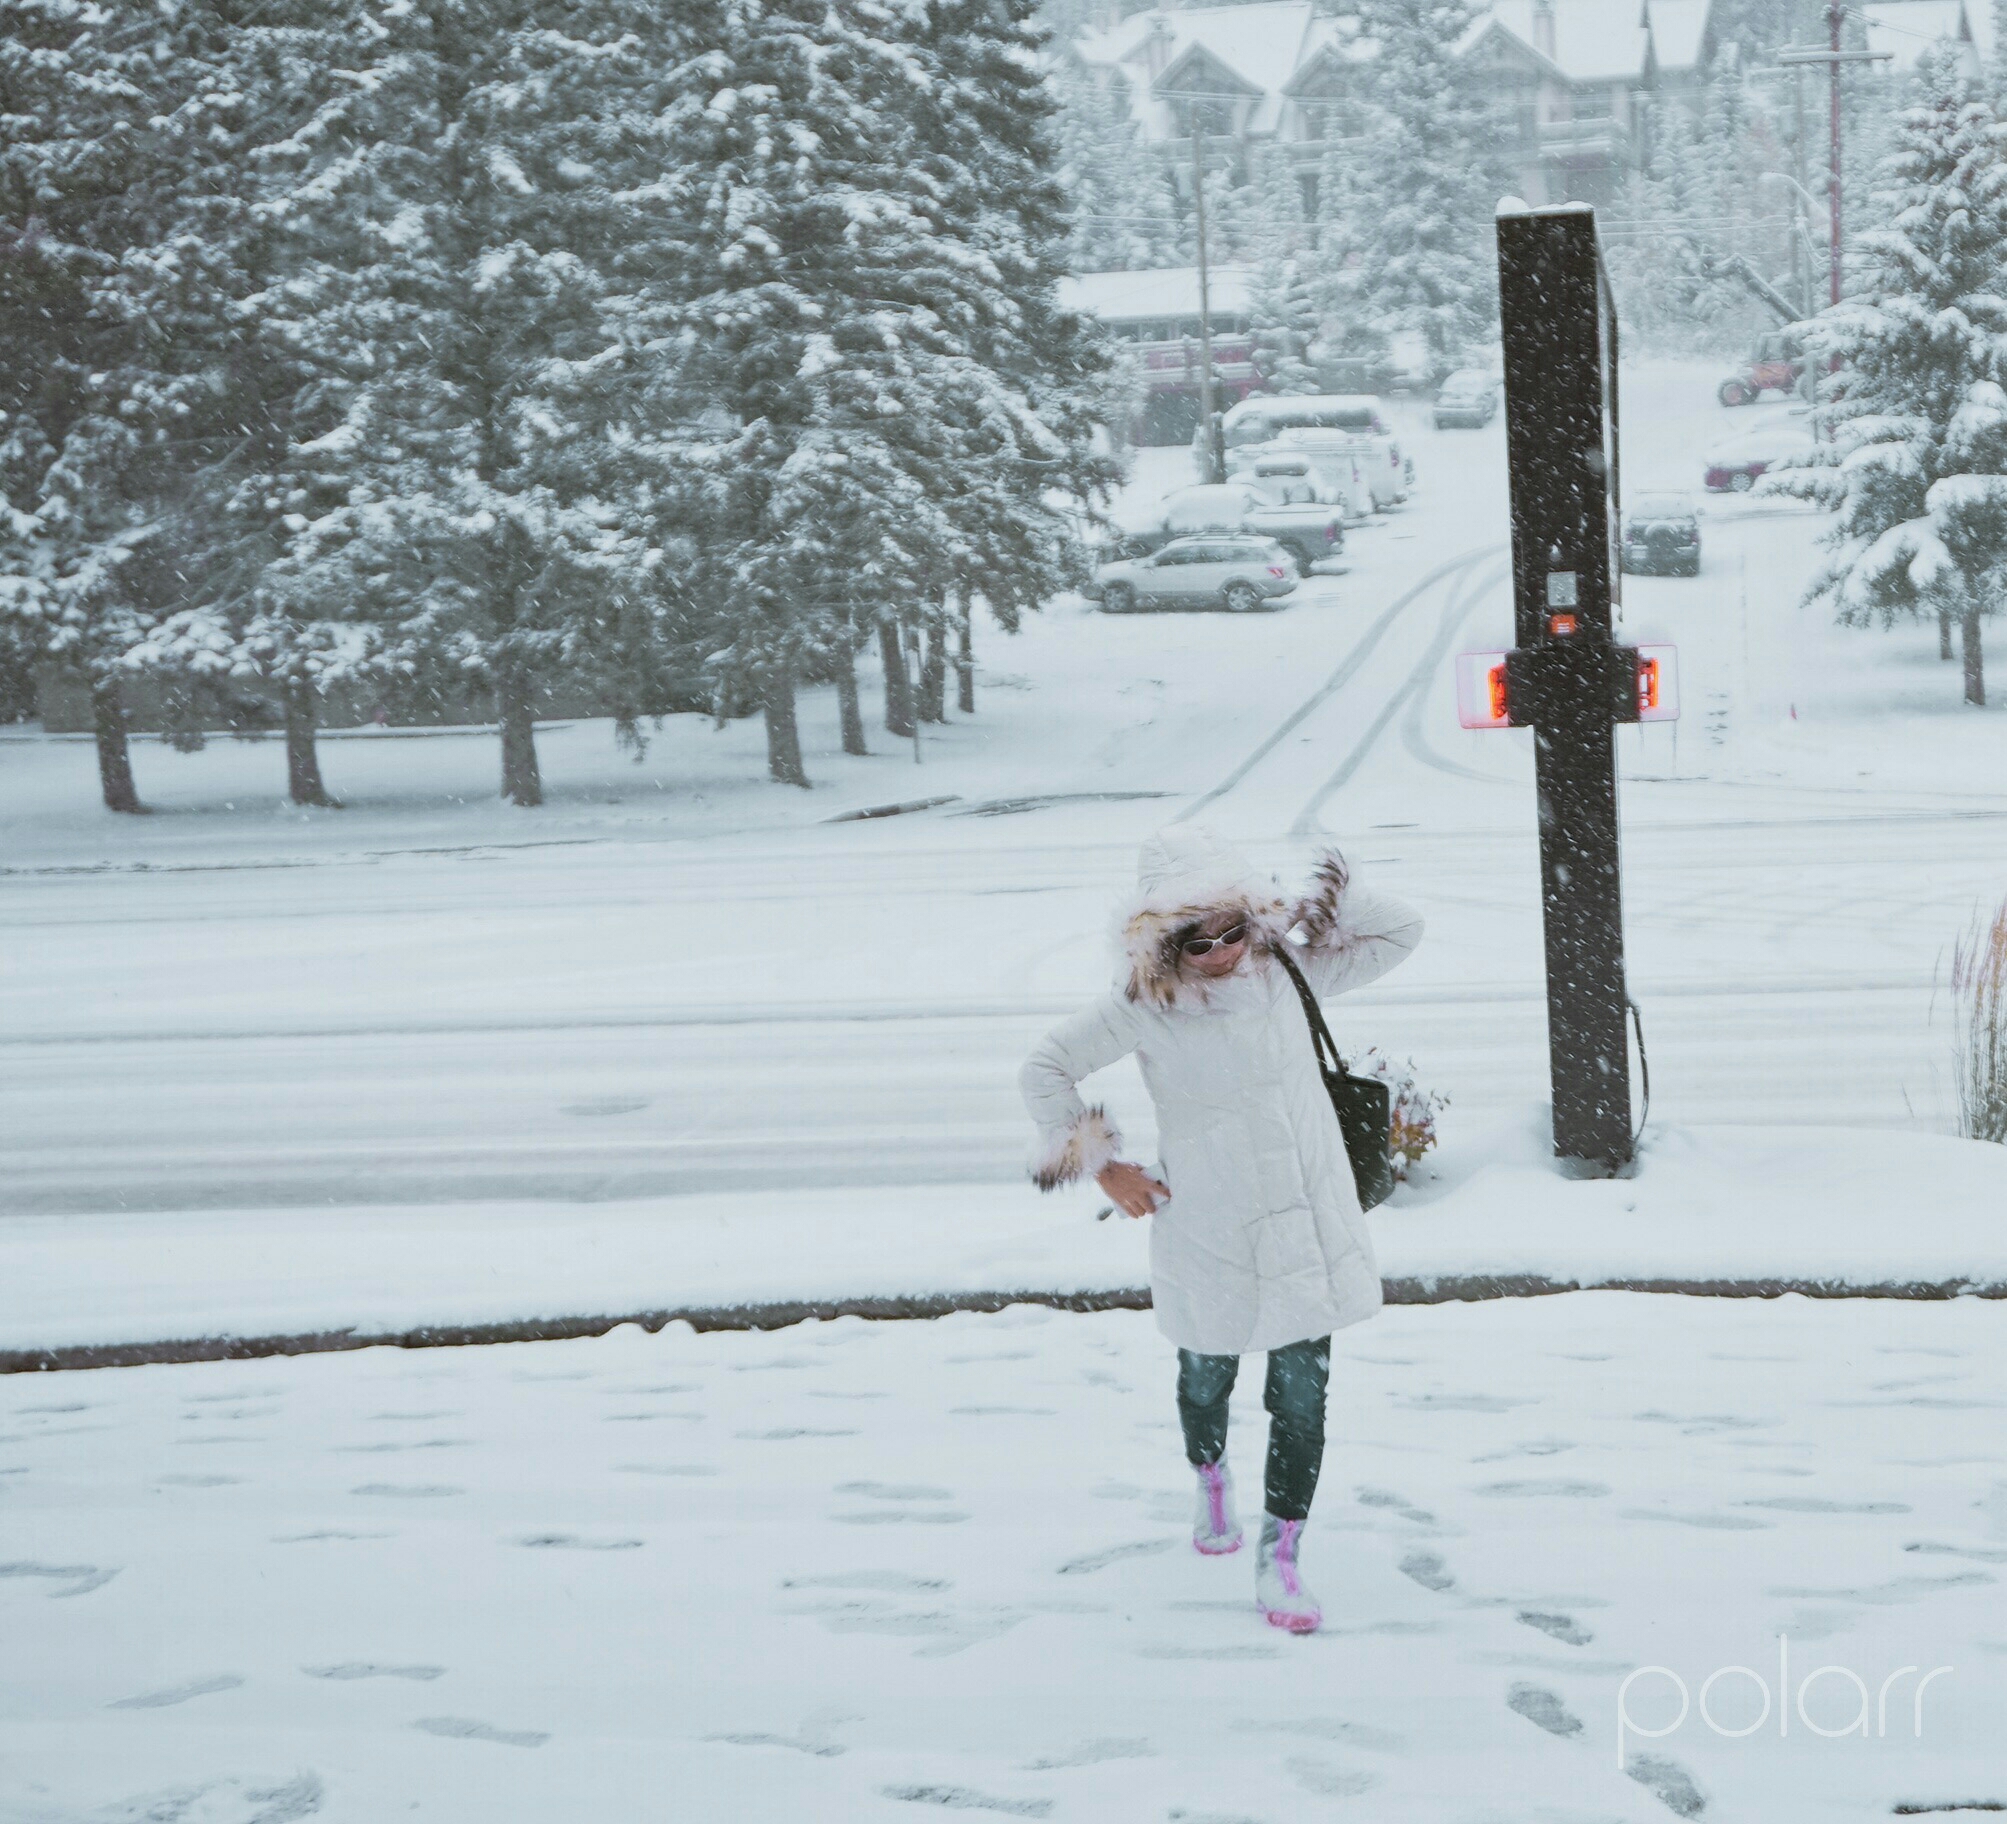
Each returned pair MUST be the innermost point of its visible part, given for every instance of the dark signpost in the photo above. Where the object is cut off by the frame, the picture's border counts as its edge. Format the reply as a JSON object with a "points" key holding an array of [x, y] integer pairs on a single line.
{"points": [[1567, 677]]}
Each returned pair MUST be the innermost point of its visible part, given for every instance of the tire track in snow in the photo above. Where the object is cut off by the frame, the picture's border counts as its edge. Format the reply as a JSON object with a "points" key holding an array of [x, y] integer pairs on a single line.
{"points": [[1462, 602], [1348, 669]]}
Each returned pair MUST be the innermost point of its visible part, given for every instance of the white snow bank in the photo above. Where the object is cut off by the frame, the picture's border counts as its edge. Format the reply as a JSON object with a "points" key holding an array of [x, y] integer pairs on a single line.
{"points": [[1806, 1205]]}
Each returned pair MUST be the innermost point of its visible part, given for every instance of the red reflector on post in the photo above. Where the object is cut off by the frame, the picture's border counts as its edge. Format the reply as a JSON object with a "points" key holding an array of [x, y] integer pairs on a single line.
{"points": [[1658, 684], [1561, 623], [1482, 698]]}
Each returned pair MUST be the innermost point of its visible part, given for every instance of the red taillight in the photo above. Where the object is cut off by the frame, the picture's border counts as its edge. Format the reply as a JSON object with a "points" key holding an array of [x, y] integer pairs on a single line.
{"points": [[1277, 570]]}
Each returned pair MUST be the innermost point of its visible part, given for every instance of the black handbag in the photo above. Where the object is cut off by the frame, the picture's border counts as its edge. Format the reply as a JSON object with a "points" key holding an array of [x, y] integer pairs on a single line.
{"points": [[1365, 1105]]}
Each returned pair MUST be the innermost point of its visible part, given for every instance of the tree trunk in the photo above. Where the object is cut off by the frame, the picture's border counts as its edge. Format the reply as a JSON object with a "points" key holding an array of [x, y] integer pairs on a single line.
{"points": [[965, 661], [934, 676], [1944, 633], [521, 782], [1975, 659], [114, 754], [847, 706], [898, 686], [783, 733], [303, 763]]}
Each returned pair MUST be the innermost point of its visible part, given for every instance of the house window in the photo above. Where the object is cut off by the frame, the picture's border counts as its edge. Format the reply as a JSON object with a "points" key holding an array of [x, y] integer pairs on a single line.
{"points": [[1595, 104]]}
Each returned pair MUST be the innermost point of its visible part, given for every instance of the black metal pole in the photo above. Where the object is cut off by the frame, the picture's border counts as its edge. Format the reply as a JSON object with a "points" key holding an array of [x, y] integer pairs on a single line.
{"points": [[1568, 677]]}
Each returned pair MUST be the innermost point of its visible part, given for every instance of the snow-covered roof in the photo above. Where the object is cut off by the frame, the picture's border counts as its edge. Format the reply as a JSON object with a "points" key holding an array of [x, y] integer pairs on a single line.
{"points": [[1260, 51], [1261, 45], [1907, 28], [1594, 40], [1679, 33], [1141, 297]]}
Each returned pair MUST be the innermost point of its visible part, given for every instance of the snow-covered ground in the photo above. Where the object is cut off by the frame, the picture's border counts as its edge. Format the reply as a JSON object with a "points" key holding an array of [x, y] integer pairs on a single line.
{"points": [[872, 1571], [683, 1037]]}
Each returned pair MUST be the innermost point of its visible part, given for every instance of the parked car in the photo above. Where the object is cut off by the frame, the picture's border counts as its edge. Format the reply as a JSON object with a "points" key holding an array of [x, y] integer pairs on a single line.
{"points": [[1307, 530], [1238, 574], [1735, 467], [1774, 364], [1661, 536], [1468, 397]]}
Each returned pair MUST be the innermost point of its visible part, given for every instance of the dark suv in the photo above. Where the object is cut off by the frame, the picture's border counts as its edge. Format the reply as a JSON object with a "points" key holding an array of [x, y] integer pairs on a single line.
{"points": [[1661, 536]]}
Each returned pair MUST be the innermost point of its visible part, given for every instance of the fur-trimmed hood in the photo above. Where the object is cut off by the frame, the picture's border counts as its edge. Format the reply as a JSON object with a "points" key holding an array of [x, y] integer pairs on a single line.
{"points": [[1186, 874]]}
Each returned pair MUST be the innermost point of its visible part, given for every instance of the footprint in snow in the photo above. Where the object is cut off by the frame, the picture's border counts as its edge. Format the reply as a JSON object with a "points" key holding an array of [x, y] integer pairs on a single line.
{"points": [[894, 1491], [1428, 1570], [1563, 1628], [325, 1533], [1669, 1783], [572, 1542], [803, 1743], [1397, 1504], [607, 1105], [396, 1444], [70, 1406], [1897, 1589], [1720, 1523], [1328, 1781], [363, 1668], [461, 1728], [81, 1578], [177, 1694], [1029, 1412], [1984, 1553], [897, 1581], [1544, 1708], [784, 1432], [962, 1798], [1092, 1754], [1586, 1491], [1459, 1402], [1114, 1554], [902, 1516], [221, 1802], [1326, 1728], [1808, 1504]]}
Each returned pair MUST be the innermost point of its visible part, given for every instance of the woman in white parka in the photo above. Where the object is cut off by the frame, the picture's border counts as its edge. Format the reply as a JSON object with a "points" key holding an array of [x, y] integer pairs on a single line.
{"points": [[1258, 1241]]}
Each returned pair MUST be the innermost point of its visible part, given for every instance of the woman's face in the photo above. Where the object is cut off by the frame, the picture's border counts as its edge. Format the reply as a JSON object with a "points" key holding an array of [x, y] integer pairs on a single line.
{"points": [[1217, 958]]}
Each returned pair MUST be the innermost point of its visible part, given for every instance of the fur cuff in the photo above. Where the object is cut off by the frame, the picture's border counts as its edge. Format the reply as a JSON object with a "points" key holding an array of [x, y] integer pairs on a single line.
{"points": [[1079, 1151], [1321, 910]]}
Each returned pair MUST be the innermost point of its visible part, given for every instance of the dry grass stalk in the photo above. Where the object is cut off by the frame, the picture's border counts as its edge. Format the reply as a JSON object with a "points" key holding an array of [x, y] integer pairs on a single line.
{"points": [[1979, 987]]}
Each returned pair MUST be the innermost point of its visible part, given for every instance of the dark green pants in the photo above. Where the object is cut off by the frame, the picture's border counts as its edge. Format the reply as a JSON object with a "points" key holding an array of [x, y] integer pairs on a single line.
{"points": [[1294, 1396]]}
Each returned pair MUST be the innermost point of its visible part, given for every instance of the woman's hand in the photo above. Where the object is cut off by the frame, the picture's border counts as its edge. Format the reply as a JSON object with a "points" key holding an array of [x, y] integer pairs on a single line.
{"points": [[1133, 1191]]}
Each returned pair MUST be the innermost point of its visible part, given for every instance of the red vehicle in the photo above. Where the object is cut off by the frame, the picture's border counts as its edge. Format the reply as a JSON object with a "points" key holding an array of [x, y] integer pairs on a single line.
{"points": [[1774, 365]]}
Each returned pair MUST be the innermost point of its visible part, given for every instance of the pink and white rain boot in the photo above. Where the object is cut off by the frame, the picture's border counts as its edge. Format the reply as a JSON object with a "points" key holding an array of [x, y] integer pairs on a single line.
{"points": [[1279, 1588], [1215, 1532]]}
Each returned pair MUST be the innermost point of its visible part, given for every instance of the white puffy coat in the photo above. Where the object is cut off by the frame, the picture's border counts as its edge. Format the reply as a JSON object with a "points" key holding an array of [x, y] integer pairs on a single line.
{"points": [[1262, 1242]]}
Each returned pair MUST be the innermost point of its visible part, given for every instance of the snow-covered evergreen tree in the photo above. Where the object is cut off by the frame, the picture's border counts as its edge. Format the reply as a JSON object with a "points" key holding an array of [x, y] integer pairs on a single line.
{"points": [[869, 294], [1421, 257], [1916, 469], [485, 208], [1281, 294]]}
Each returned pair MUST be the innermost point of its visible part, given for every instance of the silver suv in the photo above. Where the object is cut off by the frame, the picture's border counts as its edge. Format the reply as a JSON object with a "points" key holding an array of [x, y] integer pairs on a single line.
{"points": [[1239, 574]]}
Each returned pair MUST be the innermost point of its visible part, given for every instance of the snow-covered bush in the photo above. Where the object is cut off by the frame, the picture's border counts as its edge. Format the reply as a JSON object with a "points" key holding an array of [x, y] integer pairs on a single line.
{"points": [[1415, 1110], [1979, 985]]}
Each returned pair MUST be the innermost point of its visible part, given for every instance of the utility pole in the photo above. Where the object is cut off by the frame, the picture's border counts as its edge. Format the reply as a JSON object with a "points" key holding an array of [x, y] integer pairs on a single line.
{"points": [[1833, 58], [1215, 468]]}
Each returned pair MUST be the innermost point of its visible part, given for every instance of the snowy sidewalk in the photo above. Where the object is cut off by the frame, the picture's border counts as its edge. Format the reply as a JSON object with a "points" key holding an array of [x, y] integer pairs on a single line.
{"points": [[861, 1570], [1739, 1209]]}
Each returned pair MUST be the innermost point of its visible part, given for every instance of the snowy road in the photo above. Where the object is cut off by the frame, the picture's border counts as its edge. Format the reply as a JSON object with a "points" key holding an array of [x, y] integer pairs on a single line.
{"points": [[638, 994], [854, 1571]]}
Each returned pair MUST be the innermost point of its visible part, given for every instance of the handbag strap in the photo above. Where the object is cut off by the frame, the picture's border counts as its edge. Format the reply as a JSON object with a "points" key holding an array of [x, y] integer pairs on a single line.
{"points": [[1320, 1034]]}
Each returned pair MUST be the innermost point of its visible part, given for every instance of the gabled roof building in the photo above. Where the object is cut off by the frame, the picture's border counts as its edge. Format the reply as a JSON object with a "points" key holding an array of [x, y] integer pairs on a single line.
{"points": [[1573, 78]]}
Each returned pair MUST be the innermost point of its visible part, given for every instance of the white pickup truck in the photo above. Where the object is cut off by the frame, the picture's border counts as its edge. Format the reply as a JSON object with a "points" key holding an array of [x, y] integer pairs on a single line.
{"points": [[1310, 424]]}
